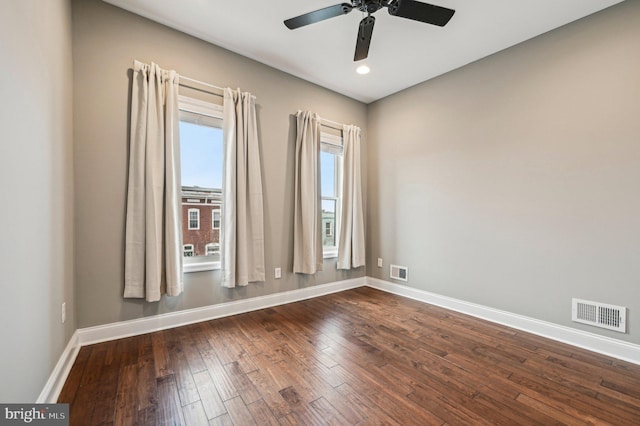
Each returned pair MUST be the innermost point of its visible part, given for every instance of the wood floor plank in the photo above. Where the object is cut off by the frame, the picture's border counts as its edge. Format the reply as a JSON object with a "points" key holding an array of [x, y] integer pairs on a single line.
{"points": [[223, 420], [148, 416], [223, 383], [160, 354], [265, 382], [211, 401], [71, 385], [260, 410], [81, 408], [126, 412], [360, 357], [147, 388], [239, 413], [95, 363], [106, 400], [194, 414], [183, 377], [328, 412], [189, 346], [169, 409], [241, 382]]}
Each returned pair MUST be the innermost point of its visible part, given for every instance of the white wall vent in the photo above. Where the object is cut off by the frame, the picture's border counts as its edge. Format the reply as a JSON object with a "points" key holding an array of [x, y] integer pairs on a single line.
{"points": [[600, 315], [398, 272]]}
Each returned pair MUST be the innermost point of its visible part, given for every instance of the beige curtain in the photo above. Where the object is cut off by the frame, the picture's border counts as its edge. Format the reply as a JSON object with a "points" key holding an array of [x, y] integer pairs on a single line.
{"points": [[307, 232], [153, 239], [242, 207], [351, 244]]}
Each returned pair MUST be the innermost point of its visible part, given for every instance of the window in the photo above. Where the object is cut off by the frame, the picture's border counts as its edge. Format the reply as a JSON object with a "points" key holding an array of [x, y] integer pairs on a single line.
{"points": [[194, 219], [331, 189], [328, 229], [212, 249], [201, 157], [215, 218]]}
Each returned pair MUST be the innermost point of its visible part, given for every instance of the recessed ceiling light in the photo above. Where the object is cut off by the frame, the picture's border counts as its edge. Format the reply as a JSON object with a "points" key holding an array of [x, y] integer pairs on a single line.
{"points": [[363, 69]]}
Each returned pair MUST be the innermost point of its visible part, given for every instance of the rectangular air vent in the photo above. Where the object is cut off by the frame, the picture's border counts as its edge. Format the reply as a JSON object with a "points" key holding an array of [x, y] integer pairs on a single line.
{"points": [[600, 315], [398, 272]]}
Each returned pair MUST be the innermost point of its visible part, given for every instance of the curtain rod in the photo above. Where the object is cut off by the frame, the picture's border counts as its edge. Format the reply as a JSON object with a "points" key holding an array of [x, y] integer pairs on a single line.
{"points": [[219, 91]]}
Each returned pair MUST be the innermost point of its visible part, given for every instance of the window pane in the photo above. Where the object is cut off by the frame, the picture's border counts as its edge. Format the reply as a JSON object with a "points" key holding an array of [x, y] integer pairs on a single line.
{"points": [[328, 174], [201, 155], [201, 151], [328, 223], [216, 219]]}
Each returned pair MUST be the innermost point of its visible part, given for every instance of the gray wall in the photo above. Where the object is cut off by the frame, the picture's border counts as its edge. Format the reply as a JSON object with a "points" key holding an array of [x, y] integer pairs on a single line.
{"points": [[106, 40], [514, 182], [36, 189]]}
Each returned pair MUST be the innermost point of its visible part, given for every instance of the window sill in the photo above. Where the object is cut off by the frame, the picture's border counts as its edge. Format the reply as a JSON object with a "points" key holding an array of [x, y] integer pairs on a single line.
{"points": [[201, 266], [330, 253]]}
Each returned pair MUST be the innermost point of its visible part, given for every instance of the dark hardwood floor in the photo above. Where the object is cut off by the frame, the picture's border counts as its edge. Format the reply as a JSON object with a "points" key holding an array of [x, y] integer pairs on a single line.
{"points": [[357, 357]]}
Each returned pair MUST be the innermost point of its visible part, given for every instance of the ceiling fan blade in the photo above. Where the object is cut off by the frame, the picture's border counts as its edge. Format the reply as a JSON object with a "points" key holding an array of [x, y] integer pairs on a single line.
{"points": [[364, 38], [318, 15], [423, 12]]}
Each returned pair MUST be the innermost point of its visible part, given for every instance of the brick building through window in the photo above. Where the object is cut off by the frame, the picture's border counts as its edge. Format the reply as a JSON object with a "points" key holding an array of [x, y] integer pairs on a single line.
{"points": [[205, 204]]}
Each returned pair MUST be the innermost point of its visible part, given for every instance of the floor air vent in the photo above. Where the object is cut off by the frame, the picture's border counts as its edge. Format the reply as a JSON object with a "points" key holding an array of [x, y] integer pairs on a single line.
{"points": [[398, 272], [600, 315]]}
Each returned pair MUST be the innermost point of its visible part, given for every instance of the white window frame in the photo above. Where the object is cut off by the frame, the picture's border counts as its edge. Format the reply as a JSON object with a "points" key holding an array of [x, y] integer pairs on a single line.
{"points": [[333, 144], [197, 219], [328, 228], [215, 249], [188, 248], [213, 216], [208, 114]]}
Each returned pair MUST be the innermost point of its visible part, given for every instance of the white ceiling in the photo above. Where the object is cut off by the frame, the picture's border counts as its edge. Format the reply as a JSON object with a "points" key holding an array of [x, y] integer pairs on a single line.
{"points": [[402, 53]]}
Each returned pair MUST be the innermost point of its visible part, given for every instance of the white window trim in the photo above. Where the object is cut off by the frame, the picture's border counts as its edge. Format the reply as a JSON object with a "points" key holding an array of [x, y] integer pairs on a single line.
{"points": [[191, 249], [213, 222], [189, 211], [206, 248], [336, 145], [201, 266], [199, 107], [329, 228]]}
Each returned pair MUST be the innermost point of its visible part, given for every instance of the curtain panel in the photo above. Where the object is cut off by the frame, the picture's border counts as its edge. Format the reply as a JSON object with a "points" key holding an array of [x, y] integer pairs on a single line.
{"points": [[242, 207], [351, 241], [153, 239], [307, 232]]}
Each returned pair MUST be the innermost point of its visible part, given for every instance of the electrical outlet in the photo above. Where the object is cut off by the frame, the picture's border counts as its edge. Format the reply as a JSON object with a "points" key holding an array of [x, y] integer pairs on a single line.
{"points": [[63, 313], [278, 273], [379, 262]]}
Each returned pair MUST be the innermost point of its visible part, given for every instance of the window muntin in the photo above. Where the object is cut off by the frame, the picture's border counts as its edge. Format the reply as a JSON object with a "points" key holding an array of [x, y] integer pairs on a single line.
{"points": [[216, 216], [194, 219], [212, 249], [328, 229], [201, 152], [331, 189]]}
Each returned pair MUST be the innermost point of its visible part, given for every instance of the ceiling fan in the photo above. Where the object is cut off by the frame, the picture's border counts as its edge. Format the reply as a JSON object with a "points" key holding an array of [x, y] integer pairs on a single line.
{"points": [[409, 9]]}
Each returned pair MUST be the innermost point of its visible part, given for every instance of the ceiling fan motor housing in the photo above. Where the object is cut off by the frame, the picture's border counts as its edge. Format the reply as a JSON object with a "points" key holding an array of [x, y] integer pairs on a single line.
{"points": [[369, 6]]}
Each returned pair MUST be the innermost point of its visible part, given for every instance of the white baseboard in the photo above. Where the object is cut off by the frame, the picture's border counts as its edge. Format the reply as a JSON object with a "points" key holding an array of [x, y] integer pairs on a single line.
{"points": [[102, 333], [604, 345], [52, 388]]}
